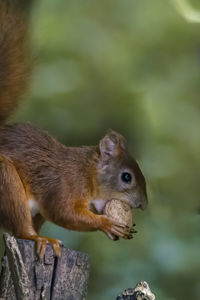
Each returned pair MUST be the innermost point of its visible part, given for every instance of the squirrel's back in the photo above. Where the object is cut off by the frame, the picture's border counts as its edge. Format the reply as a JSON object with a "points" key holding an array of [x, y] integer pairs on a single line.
{"points": [[14, 54]]}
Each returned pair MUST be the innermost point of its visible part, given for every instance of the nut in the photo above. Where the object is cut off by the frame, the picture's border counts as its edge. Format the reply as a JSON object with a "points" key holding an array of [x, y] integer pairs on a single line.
{"points": [[119, 211]]}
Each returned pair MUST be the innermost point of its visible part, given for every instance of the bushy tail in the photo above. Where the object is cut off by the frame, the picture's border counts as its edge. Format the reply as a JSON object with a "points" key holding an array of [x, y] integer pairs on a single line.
{"points": [[15, 60]]}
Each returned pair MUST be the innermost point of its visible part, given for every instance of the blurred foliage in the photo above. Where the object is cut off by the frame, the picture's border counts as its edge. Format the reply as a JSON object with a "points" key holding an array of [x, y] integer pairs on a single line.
{"points": [[133, 66]]}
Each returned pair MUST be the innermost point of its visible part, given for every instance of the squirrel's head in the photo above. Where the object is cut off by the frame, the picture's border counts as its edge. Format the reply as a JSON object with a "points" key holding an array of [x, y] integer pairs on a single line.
{"points": [[119, 174]]}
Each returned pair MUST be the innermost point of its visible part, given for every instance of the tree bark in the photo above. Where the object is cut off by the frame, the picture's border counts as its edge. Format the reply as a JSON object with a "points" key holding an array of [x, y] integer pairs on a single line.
{"points": [[25, 277]]}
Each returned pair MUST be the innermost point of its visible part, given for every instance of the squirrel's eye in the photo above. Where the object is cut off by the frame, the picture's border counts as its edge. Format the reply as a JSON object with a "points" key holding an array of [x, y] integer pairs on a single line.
{"points": [[126, 177]]}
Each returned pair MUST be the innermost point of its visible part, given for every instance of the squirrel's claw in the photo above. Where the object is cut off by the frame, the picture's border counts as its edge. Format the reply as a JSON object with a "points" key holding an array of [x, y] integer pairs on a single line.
{"points": [[132, 229], [112, 236], [41, 245], [111, 227]]}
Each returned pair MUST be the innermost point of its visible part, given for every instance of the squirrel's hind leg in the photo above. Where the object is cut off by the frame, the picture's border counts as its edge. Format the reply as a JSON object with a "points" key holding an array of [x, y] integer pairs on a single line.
{"points": [[15, 213]]}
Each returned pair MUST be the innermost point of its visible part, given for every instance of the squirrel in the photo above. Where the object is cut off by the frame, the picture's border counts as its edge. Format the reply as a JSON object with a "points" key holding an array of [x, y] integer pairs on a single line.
{"points": [[42, 179]]}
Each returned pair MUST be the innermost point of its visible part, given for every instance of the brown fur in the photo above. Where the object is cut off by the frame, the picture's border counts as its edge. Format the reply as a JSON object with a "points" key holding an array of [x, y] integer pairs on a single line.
{"points": [[14, 55], [33, 165]]}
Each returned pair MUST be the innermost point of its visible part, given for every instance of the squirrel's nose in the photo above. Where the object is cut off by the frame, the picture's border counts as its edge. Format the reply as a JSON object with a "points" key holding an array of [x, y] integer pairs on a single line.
{"points": [[140, 200], [142, 204]]}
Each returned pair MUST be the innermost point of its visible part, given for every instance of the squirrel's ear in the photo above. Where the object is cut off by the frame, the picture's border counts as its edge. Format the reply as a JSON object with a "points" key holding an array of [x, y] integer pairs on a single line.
{"points": [[112, 145]]}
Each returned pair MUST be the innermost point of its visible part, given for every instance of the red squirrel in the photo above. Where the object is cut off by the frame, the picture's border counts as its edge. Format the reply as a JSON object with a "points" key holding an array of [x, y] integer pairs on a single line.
{"points": [[41, 179]]}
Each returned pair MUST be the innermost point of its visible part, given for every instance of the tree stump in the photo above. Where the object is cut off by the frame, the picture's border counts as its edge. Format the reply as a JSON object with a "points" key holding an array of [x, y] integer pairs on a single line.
{"points": [[24, 276]]}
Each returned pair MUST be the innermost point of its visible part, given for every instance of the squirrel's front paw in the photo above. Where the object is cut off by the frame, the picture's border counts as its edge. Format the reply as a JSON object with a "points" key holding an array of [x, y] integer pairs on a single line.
{"points": [[114, 229]]}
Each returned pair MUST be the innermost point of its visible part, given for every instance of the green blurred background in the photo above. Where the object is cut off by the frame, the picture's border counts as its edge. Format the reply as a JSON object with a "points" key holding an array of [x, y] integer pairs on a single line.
{"points": [[133, 66]]}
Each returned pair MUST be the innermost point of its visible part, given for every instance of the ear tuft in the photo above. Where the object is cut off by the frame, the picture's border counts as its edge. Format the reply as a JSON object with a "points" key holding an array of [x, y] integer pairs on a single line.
{"points": [[112, 145]]}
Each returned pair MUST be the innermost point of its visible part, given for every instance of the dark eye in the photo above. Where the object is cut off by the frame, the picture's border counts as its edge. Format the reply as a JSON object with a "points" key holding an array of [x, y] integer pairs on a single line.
{"points": [[126, 177]]}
